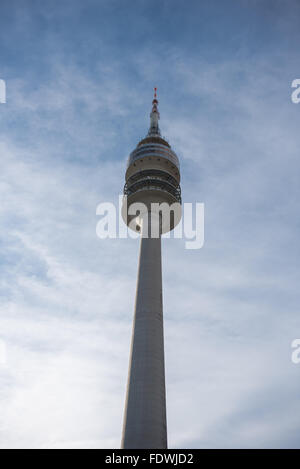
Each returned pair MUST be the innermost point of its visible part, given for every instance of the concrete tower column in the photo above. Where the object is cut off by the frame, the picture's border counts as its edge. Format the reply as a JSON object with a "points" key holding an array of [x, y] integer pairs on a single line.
{"points": [[145, 424]]}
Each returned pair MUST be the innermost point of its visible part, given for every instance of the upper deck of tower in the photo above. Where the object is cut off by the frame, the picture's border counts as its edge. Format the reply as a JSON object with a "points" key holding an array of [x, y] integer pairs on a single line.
{"points": [[154, 144], [153, 173]]}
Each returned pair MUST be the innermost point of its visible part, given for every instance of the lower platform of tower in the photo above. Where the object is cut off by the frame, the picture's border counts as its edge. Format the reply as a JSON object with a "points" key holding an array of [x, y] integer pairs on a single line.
{"points": [[145, 423]]}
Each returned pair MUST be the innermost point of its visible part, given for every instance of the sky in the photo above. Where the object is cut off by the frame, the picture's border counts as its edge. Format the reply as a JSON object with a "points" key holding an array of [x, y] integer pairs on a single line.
{"points": [[80, 78]]}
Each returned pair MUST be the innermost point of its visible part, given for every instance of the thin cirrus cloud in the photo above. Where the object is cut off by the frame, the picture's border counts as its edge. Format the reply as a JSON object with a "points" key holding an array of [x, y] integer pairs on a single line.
{"points": [[67, 297]]}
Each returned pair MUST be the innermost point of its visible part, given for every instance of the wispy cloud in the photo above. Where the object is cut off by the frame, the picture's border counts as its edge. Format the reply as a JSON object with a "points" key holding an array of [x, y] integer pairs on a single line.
{"points": [[231, 308]]}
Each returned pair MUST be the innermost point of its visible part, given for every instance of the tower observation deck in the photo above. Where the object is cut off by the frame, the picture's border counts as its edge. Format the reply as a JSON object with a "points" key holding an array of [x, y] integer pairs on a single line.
{"points": [[152, 181]]}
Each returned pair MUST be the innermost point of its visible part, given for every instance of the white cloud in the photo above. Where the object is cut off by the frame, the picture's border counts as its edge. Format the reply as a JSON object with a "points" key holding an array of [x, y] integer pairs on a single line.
{"points": [[67, 297]]}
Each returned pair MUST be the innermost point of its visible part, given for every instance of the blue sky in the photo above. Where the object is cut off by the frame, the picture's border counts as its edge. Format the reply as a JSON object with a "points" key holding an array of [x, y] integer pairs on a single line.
{"points": [[80, 77]]}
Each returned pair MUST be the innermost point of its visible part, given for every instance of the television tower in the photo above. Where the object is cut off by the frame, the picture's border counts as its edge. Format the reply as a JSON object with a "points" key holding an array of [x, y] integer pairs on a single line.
{"points": [[152, 178]]}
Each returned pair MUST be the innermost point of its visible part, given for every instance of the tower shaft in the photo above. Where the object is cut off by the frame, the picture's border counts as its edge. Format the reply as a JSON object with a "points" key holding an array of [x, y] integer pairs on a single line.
{"points": [[145, 423]]}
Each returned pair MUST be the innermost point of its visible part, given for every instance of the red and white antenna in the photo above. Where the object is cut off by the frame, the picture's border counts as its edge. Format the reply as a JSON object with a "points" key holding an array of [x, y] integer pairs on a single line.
{"points": [[154, 128], [155, 102]]}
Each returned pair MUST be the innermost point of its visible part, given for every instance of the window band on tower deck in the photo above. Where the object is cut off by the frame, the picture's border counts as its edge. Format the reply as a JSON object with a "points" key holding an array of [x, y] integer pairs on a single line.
{"points": [[153, 150]]}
